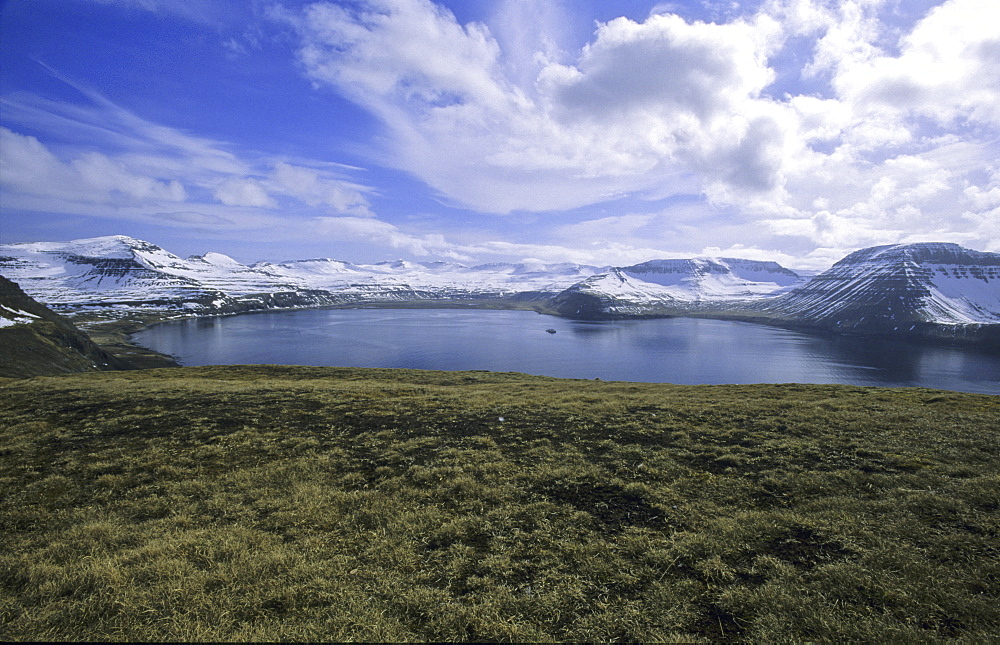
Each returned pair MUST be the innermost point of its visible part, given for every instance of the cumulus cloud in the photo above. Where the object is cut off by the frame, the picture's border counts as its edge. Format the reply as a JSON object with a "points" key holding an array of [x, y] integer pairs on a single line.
{"points": [[668, 105], [675, 69], [948, 68], [640, 96]]}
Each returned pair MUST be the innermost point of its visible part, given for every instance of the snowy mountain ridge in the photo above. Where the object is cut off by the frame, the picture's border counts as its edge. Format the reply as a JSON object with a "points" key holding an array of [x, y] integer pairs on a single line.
{"points": [[670, 287], [937, 289], [895, 286], [118, 271]]}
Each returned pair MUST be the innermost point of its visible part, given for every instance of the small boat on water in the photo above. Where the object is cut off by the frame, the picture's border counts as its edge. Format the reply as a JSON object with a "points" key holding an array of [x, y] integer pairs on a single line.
{"points": [[550, 331]]}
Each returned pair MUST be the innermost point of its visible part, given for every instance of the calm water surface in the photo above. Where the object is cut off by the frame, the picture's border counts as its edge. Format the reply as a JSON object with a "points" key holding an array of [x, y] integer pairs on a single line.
{"points": [[672, 350]]}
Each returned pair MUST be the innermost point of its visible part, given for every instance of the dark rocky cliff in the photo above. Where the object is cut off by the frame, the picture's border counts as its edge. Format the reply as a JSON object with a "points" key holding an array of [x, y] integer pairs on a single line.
{"points": [[48, 344]]}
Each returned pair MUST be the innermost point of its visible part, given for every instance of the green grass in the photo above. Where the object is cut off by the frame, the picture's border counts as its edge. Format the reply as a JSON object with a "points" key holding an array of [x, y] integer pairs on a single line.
{"points": [[273, 503]]}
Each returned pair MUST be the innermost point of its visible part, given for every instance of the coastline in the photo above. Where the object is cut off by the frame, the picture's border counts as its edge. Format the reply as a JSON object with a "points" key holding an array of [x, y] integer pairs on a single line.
{"points": [[115, 335]]}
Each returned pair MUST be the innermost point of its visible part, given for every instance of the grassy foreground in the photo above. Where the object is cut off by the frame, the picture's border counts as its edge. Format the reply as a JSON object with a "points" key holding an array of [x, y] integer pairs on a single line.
{"points": [[292, 503]]}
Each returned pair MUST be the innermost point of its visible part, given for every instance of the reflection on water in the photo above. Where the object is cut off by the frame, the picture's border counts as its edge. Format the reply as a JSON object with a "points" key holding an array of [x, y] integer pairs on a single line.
{"points": [[675, 350]]}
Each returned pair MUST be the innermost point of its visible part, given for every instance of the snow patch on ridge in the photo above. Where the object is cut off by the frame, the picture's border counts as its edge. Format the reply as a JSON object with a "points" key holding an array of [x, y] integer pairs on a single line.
{"points": [[10, 317], [963, 299]]}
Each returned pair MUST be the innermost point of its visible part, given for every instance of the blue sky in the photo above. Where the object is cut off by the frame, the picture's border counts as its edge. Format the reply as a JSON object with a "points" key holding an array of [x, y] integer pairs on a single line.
{"points": [[502, 130]]}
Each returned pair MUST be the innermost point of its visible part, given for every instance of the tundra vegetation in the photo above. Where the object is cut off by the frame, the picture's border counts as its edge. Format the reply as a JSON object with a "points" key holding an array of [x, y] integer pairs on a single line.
{"points": [[295, 503]]}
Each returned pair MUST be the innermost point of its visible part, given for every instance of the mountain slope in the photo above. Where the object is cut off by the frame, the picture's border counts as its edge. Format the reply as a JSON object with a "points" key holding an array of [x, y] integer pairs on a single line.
{"points": [[899, 287], [35, 341]]}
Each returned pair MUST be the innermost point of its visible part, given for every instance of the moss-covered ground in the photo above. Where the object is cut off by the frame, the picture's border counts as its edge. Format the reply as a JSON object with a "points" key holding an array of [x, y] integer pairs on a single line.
{"points": [[276, 503]]}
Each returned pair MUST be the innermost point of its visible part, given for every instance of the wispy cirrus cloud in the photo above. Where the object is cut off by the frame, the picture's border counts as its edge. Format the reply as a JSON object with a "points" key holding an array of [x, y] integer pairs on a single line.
{"points": [[148, 171], [208, 12], [27, 167]]}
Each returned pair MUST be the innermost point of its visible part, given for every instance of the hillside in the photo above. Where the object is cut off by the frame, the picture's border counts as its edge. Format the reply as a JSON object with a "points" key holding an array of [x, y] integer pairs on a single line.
{"points": [[35, 341], [269, 503]]}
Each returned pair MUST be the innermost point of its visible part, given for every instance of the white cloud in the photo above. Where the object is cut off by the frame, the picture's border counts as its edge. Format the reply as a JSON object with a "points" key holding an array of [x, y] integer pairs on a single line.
{"points": [[948, 68], [412, 50], [664, 67], [29, 167], [146, 147], [659, 107], [243, 191], [804, 17], [831, 230], [850, 34], [530, 34], [112, 176], [146, 169], [595, 231], [640, 97], [383, 234], [316, 188]]}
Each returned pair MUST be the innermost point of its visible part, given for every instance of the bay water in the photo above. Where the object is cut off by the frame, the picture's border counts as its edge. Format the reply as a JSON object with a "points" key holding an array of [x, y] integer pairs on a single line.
{"points": [[668, 350]]}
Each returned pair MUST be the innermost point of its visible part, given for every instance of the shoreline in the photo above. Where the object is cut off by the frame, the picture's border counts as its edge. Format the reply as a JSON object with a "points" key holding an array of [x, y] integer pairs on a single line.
{"points": [[119, 337], [115, 335]]}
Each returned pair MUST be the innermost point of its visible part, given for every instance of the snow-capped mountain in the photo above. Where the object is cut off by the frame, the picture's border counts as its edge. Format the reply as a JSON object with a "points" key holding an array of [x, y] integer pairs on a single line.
{"points": [[663, 287], [926, 289], [899, 286], [933, 289], [118, 272]]}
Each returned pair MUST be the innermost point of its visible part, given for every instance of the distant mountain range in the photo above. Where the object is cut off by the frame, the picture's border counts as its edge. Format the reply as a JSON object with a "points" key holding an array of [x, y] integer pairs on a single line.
{"points": [[673, 287], [931, 289], [119, 271]]}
